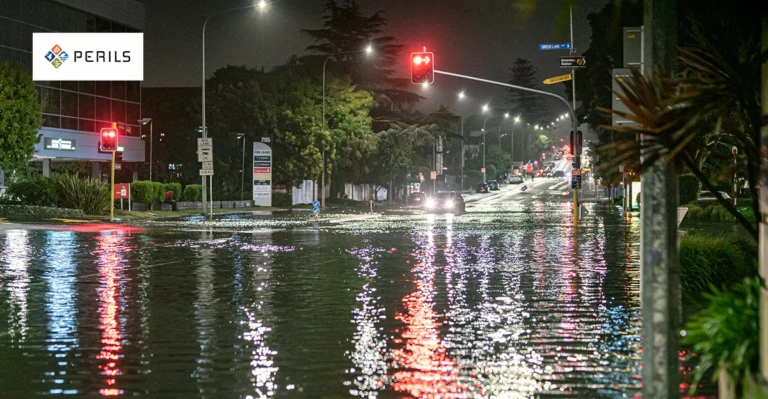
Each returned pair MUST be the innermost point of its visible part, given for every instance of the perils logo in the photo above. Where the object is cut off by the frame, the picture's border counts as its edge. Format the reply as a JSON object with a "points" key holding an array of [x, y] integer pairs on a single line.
{"points": [[56, 56]]}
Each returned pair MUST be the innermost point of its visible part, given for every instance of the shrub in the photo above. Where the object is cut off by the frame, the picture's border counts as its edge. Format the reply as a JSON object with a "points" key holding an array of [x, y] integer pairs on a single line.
{"points": [[690, 188], [706, 260], [727, 333], [36, 190], [694, 212], [175, 187], [193, 192], [158, 191], [85, 194], [280, 198], [142, 191]]}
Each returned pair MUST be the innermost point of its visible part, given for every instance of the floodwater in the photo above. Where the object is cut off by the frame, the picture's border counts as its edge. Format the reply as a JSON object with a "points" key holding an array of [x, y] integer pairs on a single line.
{"points": [[513, 303]]}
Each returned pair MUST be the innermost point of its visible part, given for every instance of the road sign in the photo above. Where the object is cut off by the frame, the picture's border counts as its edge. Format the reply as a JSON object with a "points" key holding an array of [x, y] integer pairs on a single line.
{"points": [[433, 175], [118, 166], [573, 62], [262, 173], [557, 79], [576, 172], [482, 170], [208, 165], [561, 46], [262, 170], [204, 141], [122, 191], [316, 207], [205, 153], [575, 181], [206, 172]]}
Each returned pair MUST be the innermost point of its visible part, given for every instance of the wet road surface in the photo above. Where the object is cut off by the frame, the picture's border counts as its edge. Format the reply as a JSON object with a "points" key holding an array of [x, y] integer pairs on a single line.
{"points": [[508, 300]]}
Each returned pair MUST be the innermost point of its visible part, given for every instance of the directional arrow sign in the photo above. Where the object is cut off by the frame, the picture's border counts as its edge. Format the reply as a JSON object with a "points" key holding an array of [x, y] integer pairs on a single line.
{"points": [[557, 79], [573, 62]]}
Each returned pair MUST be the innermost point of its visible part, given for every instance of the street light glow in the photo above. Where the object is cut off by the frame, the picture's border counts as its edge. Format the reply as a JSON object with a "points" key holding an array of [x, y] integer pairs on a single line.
{"points": [[425, 85], [263, 4], [461, 95], [369, 49], [506, 115], [485, 108], [517, 119]]}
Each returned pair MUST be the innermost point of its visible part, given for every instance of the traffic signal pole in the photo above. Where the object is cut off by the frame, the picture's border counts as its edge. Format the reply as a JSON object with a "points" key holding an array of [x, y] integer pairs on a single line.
{"points": [[112, 189], [521, 88]]}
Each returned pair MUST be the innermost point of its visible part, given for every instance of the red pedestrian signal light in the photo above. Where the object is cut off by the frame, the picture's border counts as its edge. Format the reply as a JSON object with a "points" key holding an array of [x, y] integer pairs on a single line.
{"points": [[422, 68], [108, 139]]}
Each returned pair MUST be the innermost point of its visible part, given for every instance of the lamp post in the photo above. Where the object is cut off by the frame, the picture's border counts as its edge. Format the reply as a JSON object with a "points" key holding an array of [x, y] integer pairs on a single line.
{"points": [[367, 50], [461, 119], [485, 110], [242, 170], [144, 122], [512, 139], [506, 116], [262, 4]]}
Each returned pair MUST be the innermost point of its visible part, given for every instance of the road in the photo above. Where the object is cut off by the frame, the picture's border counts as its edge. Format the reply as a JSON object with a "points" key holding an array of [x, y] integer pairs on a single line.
{"points": [[507, 300]]}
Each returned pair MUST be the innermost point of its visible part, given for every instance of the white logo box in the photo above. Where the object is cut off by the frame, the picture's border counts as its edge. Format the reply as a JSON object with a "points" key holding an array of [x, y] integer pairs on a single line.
{"points": [[87, 56]]}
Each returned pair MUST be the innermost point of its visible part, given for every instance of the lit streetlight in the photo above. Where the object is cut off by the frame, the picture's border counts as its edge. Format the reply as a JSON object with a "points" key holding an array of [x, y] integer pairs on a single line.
{"points": [[144, 122], [461, 95]]}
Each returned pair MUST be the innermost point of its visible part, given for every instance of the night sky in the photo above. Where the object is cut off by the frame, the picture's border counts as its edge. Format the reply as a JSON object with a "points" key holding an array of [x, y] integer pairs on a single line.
{"points": [[481, 38]]}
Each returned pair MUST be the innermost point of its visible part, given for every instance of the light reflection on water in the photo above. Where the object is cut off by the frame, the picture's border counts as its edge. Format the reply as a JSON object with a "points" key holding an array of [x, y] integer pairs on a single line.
{"points": [[515, 305]]}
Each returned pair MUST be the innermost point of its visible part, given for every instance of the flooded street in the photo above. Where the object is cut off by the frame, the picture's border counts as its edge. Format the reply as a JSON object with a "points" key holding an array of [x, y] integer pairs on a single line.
{"points": [[508, 300]]}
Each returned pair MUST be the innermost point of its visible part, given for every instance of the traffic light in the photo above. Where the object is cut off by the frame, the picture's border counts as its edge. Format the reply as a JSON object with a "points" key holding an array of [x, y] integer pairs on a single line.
{"points": [[108, 139], [422, 68]]}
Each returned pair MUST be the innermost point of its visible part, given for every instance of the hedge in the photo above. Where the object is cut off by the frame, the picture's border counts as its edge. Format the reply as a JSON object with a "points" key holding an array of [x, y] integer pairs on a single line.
{"points": [[281, 199], [175, 187], [690, 188], [142, 191], [706, 260], [193, 192], [35, 190]]}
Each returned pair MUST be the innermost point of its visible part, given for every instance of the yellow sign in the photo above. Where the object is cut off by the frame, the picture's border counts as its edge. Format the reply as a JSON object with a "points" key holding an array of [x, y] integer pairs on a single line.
{"points": [[557, 79]]}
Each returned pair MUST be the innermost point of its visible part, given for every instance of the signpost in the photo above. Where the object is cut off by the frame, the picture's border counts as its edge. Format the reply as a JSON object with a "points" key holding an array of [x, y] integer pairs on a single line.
{"points": [[205, 155], [573, 62], [316, 207], [561, 46], [433, 175], [576, 179], [262, 173], [123, 191], [557, 79]]}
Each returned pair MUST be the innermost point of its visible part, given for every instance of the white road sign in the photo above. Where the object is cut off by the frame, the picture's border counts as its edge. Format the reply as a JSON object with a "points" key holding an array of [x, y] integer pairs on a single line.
{"points": [[205, 153], [208, 165], [204, 141], [206, 172]]}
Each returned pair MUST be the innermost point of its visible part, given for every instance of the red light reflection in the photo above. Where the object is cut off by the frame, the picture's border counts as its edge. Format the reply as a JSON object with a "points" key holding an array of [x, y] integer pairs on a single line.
{"points": [[100, 228], [108, 249]]}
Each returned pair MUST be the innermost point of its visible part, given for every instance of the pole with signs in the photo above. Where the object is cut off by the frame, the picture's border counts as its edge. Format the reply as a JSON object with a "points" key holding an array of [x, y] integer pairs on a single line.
{"points": [[262, 173], [112, 189], [205, 156]]}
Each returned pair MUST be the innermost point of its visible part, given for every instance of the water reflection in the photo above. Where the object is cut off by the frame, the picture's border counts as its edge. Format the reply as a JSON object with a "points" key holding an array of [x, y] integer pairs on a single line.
{"points": [[60, 278], [15, 258], [110, 251], [205, 314]]}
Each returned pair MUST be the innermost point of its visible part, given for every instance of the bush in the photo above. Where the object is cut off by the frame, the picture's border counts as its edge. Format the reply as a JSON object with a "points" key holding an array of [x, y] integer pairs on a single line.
{"points": [[87, 195], [690, 188], [694, 212], [193, 192], [175, 187], [281, 199], [158, 191], [142, 191], [706, 260], [36, 190]]}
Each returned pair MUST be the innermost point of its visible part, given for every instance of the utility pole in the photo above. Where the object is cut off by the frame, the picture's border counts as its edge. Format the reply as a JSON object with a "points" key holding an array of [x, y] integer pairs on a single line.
{"points": [[576, 144], [659, 263]]}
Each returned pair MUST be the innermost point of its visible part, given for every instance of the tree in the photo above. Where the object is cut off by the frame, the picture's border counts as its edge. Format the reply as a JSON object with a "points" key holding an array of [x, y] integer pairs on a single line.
{"points": [[20, 117], [529, 105], [346, 29], [538, 145]]}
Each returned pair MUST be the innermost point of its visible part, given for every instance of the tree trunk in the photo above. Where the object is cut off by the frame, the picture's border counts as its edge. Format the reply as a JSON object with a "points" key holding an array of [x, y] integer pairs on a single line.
{"points": [[391, 191]]}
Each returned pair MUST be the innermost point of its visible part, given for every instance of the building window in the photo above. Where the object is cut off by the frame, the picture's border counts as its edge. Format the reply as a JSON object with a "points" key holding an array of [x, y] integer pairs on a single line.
{"points": [[133, 91], [30, 12], [51, 16], [86, 87], [51, 100], [10, 9], [9, 33], [118, 111], [69, 123], [118, 90], [102, 88], [86, 106], [133, 113], [103, 109], [51, 121]]}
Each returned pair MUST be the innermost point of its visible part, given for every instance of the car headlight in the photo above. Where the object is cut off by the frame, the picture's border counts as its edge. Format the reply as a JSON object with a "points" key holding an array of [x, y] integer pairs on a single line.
{"points": [[430, 203], [448, 204]]}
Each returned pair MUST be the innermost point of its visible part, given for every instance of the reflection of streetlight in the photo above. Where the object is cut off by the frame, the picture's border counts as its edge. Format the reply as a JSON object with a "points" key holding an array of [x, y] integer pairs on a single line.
{"points": [[242, 171]]}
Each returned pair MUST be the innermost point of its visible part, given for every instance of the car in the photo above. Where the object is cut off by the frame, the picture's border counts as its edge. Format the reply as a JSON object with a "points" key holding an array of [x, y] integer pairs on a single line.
{"points": [[417, 197], [493, 185], [516, 179], [445, 201], [708, 196], [550, 175], [558, 173], [482, 188]]}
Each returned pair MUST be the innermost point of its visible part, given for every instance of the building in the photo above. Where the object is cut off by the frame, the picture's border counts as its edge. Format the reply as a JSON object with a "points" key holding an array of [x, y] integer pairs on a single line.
{"points": [[74, 112]]}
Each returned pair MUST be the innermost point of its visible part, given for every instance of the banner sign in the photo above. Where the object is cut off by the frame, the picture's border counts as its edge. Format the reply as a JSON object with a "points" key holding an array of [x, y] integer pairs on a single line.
{"points": [[87, 56], [262, 174]]}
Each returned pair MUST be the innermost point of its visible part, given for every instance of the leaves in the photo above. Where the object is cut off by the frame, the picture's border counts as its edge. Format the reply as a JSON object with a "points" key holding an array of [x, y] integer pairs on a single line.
{"points": [[20, 117]]}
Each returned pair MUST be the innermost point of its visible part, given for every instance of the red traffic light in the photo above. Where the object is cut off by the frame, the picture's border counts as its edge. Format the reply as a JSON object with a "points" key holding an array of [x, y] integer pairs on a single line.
{"points": [[422, 68], [579, 139], [108, 139]]}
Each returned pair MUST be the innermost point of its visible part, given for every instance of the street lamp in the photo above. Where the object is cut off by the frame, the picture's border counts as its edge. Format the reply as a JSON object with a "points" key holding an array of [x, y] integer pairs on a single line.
{"points": [[461, 95], [242, 171], [368, 50], [144, 122], [262, 4], [506, 116], [485, 110]]}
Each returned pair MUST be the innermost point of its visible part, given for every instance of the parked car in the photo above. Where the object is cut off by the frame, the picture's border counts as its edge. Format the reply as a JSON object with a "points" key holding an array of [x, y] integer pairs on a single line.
{"points": [[515, 179], [549, 175], [708, 197], [558, 173], [417, 197], [445, 202], [493, 185], [482, 188]]}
